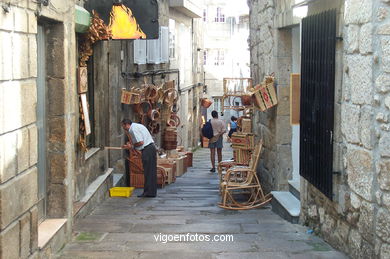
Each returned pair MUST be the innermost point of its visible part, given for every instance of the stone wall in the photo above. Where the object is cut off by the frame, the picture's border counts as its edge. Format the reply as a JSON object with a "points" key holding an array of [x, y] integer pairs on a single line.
{"points": [[360, 211], [271, 52], [18, 120]]}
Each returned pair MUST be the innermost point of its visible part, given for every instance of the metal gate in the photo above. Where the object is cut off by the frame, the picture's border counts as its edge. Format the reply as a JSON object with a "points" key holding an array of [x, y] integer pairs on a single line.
{"points": [[317, 100]]}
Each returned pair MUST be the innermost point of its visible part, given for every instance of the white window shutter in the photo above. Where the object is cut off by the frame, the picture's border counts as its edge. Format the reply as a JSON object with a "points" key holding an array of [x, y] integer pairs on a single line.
{"points": [[164, 38], [140, 52], [153, 51]]}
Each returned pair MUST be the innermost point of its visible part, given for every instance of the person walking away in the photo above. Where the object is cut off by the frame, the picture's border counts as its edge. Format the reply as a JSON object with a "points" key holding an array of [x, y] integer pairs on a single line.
{"points": [[233, 126], [142, 140], [216, 142]]}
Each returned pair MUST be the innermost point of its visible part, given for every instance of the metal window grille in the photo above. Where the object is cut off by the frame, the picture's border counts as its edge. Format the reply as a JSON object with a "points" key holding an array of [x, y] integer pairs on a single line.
{"points": [[317, 100]]}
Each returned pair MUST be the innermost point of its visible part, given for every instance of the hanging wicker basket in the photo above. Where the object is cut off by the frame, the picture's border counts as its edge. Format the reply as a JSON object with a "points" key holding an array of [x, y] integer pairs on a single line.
{"points": [[206, 103]]}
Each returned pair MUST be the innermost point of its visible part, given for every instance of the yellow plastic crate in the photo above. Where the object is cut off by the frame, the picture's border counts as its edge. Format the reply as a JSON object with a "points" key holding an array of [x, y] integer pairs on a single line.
{"points": [[121, 191]]}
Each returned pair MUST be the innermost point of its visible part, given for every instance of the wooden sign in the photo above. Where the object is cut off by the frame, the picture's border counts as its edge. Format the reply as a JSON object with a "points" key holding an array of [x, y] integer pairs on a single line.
{"points": [[295, 98], [128, 19], [87, 123], [82, 80], [126, 97], [265, 96]]}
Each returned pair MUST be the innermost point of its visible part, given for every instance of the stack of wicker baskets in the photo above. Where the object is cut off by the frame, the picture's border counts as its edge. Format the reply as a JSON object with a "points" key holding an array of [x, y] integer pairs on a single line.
{"points": [[170, 138]]}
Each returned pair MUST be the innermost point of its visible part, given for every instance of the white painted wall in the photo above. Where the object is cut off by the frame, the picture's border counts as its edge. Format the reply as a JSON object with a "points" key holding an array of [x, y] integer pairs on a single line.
{"points": [[296, 68]]}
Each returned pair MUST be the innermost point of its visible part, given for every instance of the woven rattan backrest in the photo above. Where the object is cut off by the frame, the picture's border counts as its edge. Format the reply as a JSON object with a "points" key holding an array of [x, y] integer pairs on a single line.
{"points": [[256, 156]]}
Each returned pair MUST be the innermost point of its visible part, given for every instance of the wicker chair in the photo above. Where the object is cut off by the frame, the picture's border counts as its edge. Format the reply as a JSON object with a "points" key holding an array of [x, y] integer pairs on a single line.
{"points": [[226, 164], [243, 181]]}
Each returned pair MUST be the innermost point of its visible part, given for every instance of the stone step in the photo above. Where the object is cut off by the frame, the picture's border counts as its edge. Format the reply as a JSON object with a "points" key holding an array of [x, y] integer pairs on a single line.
{"points": [[295, 188], [286, 205]]}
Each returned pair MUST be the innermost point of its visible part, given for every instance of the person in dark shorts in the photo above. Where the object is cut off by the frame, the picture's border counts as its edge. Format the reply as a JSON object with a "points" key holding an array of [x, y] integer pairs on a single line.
{"points": [[219, 128]]}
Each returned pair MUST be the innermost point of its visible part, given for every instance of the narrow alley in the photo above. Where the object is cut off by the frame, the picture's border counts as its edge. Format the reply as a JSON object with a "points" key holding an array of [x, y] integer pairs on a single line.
{"points": [[128, 227]]}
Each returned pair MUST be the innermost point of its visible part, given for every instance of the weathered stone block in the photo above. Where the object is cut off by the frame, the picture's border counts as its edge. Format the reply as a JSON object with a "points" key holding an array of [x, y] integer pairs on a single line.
{"points": [[382, 83], [284, 166], [382, 13], [360, 74], [20, 3], [18, 195], [57, 167], [19, 104], [346, 86], [20, 60], [367, 250], [32, 22], [56, 52], [385, 44], [385, 251], [352, 38], [9, 242], [57, 130], [23, 149], [283, 132], [359, 171], [57, 96], [7, 21], [328, 225], [1, 111], [33, 144], [367, 135], [386, 200], [365, 38], [383, 225], [387, 102], [383, 29], [34, 229], [350, 115], [56, 203], [283, 72], [283, 107], [355, 242], [5, 54], [384, 144], [366, 221], [381, 117], [21, 18], [386, 64], [358, 11], [355, 200], [384, 175], [33, 59], [25, 235], [8, 156]]}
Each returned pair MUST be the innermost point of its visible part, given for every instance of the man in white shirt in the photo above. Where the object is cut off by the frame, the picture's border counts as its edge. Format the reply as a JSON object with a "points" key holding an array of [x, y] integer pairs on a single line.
{"points": [[143, 141], [219, 128]]}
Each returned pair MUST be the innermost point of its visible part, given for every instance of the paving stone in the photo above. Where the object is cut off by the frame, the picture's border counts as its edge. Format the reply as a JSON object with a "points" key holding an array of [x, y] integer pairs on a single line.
{"points": [[129, 227]]}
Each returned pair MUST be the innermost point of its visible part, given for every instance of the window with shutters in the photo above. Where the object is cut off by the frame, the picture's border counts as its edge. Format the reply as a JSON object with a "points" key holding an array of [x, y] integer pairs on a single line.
{"points": [[220, 16], [140, 52], [172, 39], [164, 44], [219, 59], [152, 51]]}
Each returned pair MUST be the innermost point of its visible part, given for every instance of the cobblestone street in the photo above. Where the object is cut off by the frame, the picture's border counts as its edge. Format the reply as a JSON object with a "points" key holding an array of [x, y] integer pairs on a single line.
{"points": [[126, 228]]}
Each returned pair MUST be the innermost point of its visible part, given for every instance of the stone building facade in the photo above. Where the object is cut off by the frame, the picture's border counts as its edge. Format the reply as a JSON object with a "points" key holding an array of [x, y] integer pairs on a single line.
{"points": [[23, 202], [356, 220], [47, 181]]}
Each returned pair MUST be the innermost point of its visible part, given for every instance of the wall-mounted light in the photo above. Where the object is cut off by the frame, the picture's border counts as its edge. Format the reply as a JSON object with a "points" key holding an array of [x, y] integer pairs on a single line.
{"points": [[44, 2]]}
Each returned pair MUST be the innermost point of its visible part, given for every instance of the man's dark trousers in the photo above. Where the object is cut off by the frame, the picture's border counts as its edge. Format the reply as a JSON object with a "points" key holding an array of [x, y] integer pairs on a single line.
{"points": [[149, 162]]}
